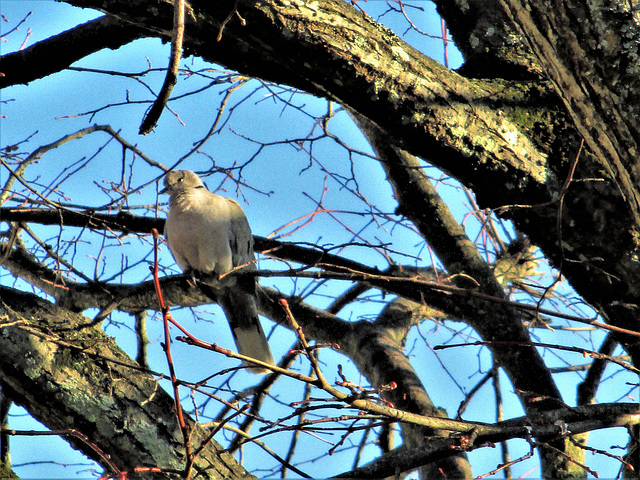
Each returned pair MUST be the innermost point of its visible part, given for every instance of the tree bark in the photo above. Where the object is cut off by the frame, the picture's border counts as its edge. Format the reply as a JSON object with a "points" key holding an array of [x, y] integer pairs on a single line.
{"points": [[51, 361]]}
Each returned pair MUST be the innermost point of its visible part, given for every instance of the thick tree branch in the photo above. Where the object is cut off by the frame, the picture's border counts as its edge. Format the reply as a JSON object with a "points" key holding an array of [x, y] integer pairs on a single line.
{"points": [[562, 36], [382, 343], [485, 36], [419, 202], [511, 141], [67, 354], [60, 51], [51, 362], [383, 78], [403, 92]]}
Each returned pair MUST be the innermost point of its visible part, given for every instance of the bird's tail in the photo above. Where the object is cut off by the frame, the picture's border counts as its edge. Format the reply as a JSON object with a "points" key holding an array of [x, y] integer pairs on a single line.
{"points": [[237, 297], [242, 314]]}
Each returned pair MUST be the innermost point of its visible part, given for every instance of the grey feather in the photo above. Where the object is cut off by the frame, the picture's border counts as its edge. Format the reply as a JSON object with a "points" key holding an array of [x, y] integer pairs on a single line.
{"points": [[210, 235]]}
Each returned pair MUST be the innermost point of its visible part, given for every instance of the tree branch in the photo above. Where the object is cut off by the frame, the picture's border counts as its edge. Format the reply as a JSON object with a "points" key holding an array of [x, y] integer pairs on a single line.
{"points": [[171, 78], [50, 361], [60, 51], [575, 420], [419, 202], [570, 62], [47, 349], [384, 79]]}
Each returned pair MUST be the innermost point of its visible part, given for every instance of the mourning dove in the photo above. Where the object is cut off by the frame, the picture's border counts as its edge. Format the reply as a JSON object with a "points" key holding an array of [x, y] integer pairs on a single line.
{"points": [[209, 234]]}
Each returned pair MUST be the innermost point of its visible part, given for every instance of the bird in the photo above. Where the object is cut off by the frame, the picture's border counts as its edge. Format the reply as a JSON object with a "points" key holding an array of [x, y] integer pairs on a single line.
{"points": [[208, 236]]}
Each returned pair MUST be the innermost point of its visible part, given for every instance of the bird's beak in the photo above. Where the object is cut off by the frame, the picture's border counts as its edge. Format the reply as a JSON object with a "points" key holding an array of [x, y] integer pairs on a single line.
{"points": [[164, 191]]}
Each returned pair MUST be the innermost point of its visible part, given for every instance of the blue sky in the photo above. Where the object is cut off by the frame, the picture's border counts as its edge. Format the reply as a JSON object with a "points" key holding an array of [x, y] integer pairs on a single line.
{"points": [[287, 185]]}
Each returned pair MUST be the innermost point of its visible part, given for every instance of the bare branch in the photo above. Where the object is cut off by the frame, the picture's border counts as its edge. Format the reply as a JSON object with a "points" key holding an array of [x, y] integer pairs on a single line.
{"points": [[60, 51], [152, 117]]}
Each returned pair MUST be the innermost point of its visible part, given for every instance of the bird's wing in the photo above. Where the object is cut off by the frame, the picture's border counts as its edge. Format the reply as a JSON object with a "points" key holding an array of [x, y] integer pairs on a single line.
{"points": [[240, 237], [239, 298]]}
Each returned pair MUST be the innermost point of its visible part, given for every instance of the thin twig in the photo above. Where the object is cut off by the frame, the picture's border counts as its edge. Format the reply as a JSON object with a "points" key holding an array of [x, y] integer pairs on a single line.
{"points": [[17, 27], [308, 350], [264, 446], [105, 459], [219, 426], [585, 352]]}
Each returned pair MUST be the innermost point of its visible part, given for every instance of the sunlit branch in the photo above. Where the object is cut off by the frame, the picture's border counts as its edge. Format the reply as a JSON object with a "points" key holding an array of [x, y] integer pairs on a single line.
{"points": [[551, 424], [111, 383], [166, 346]]}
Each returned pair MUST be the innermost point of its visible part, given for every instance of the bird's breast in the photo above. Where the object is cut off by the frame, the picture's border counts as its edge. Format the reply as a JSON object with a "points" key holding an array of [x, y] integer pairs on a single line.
{"points": [[198, 234]]}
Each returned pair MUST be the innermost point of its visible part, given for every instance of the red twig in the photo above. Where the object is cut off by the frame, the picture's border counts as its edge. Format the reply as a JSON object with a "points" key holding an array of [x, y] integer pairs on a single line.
{"points": [[219, 427], [445, 42], [24, 44], [166, 318]]}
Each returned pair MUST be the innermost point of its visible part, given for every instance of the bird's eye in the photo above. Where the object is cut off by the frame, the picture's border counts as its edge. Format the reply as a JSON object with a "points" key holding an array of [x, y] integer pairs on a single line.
{"points": [[181, 179]]}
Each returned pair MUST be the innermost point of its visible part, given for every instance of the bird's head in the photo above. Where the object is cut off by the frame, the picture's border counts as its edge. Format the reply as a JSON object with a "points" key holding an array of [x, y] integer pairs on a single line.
{"points": [[178, 181]]}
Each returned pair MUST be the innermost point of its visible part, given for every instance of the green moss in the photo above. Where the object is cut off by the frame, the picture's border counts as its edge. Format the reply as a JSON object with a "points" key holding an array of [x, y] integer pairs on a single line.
{"points": [[64, 359], [6, 471]]}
